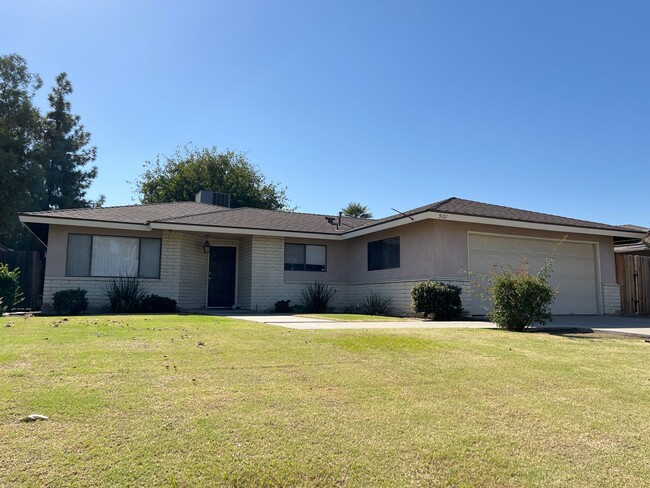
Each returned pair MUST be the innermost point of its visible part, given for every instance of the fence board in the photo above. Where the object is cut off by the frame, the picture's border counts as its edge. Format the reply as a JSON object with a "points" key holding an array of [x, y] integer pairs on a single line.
{"points": [[633, 277], [32, 269]]}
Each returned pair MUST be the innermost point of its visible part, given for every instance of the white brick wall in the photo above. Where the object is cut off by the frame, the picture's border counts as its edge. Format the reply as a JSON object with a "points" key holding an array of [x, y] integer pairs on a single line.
{"points": [[267, 283], [244, 273], [183, 276], [611, 299]]}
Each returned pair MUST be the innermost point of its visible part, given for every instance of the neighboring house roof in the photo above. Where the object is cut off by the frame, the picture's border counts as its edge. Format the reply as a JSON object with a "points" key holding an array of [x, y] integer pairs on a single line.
{"points": [[203, 217]]}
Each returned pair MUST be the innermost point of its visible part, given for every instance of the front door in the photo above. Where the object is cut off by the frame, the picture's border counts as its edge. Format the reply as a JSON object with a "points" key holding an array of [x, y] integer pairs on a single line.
{"points": [[221, 276]]}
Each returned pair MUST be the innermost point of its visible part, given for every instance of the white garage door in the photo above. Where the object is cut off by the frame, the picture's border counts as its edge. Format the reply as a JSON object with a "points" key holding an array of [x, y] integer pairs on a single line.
{"points": [[574, 268]]}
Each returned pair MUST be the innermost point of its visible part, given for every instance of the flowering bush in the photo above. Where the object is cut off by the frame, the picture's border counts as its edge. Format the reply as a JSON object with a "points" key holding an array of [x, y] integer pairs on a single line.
{"points": [[519, 298]]}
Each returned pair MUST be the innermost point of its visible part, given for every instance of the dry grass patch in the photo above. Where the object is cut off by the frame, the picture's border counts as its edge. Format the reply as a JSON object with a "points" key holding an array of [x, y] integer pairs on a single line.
{"points": [[208, 401]]}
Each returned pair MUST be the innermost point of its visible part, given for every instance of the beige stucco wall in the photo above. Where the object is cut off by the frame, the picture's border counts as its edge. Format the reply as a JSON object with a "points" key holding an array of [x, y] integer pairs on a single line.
{"points": [[451, 251], [429, 249]]}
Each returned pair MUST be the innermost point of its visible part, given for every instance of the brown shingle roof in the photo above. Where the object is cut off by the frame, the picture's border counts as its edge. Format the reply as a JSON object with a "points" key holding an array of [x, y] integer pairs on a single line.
{"points": [[201, 214], [255, 218], [131, 214], [460, 206], [192, 213]]}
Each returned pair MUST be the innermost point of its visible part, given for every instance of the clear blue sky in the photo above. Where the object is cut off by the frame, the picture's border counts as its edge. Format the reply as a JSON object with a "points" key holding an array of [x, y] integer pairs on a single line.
{"points": [[538, 105]]}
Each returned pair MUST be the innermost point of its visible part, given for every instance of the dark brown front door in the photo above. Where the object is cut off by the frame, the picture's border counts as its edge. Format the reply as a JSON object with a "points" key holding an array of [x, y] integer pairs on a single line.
{"points": [[221, 276]]}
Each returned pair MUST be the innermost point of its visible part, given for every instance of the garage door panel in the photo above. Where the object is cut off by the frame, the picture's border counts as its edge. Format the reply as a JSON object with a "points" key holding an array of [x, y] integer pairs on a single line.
{"points": [[574, 267]]}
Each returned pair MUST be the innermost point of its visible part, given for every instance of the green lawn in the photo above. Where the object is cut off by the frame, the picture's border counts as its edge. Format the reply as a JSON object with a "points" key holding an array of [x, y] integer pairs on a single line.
{"points": [[352, 317], [135, 401]]}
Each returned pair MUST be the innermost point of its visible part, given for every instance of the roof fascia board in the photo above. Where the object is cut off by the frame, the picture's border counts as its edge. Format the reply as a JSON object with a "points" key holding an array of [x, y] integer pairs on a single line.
{"points": [[488, 221], [631, 248], [25, 219], [240, 230]]}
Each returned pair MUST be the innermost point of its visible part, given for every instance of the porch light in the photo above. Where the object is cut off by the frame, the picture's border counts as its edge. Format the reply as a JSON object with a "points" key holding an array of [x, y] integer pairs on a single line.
{"points": [[206, 246]]}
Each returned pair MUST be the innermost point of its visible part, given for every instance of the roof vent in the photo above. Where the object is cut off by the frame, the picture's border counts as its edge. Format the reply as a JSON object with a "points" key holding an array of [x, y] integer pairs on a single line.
{"points": [[213, 198]]}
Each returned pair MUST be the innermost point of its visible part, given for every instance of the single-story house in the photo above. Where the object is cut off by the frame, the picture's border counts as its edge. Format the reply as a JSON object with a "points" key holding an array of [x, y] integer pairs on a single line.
{"points": [[206, 255]]}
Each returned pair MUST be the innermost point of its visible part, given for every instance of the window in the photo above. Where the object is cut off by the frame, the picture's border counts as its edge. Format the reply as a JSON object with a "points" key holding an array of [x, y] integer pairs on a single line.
{"points": [[92, 255], [383, 254], [305, 257]]}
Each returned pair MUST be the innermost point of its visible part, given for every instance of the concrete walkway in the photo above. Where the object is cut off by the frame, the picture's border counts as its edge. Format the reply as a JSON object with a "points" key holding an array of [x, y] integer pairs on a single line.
{"points": [[626, 325], [309, 323]]}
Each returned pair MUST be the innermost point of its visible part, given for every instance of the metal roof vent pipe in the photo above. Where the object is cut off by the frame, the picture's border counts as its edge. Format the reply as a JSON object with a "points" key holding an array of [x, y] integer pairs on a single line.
{"points": [[213, 198]]}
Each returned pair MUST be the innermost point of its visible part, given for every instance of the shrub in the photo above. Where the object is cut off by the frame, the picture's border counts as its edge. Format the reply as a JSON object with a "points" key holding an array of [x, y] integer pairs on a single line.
{"points": [[125, 294], [316, 296], [440, 301], [157, 304], [70, 302], [520, 299], [282, 306], [10, 294], [375, 304]]}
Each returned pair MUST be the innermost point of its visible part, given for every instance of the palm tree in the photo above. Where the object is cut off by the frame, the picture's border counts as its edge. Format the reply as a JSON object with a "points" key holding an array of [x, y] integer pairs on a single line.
{"points": [[356, 210]]}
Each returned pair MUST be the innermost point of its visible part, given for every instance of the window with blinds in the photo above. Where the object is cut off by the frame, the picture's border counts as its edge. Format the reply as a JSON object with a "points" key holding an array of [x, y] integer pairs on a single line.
{"points": [[98, 255]]}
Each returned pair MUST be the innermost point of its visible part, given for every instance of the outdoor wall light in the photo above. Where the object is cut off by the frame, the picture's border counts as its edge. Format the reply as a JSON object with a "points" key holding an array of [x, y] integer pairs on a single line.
{"points": [[206, 246]]}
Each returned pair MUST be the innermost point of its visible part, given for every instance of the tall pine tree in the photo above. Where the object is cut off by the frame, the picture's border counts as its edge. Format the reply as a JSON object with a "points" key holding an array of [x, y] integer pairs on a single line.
{"points": [[65, 153], [19, 129]]}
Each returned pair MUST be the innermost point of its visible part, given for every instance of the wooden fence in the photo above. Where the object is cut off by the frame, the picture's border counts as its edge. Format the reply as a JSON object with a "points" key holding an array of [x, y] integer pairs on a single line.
{"points": [[32, 271], [633, 276]]}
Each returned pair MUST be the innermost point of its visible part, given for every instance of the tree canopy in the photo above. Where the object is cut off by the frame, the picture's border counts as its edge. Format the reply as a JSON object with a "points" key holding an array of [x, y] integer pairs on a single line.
{"points": [[181, 176], [357, 210], [41, 158]]}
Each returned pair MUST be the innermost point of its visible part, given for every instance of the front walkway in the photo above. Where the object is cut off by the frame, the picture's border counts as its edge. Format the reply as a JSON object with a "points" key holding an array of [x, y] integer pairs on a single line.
{"points": [[625, 325]]}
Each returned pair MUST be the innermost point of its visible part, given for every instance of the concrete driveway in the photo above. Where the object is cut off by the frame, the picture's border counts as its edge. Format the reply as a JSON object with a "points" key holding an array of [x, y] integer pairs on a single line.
{"points": [[625, 325]]}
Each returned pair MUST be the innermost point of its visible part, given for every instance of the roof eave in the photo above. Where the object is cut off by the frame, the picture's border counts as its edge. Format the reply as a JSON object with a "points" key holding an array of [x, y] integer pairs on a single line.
{"points": [[240, 230], [103, 224]]}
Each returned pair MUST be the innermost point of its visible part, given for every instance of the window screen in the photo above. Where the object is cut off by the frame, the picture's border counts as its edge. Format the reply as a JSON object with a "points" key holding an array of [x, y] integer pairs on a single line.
{"points": [[78, 261], [149, 258], [114, 256], [305, 257], [383, 254]]}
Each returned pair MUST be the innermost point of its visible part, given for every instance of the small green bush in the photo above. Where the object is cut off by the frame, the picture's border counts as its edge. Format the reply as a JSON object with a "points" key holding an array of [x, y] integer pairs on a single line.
{"points": [[316, 296], [125, 294], [375, 304], [70, 302], [438, 300], [282, 306], [10, 294], [157, 304], [521, 299]]}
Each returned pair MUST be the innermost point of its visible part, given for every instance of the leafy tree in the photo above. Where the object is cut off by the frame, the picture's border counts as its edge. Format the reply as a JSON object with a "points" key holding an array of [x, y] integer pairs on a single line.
{"points": [[356, 210], [64, 153], [19, 128], [41, 158], [181, 176]]}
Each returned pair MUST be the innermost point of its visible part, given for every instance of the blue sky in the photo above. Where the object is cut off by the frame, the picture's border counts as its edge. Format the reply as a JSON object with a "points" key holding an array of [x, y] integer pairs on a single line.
{"points": [[537, 105]]}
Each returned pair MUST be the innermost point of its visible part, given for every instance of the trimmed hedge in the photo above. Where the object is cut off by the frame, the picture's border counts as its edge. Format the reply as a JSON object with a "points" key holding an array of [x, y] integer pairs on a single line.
{"points": [[157, 304], [438, 300], [70, 302]]}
